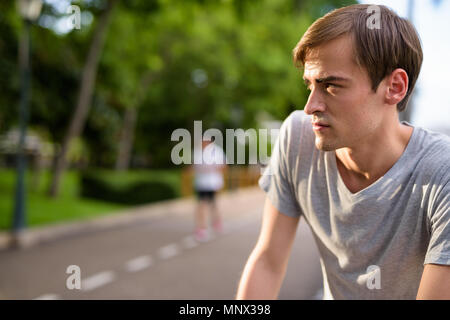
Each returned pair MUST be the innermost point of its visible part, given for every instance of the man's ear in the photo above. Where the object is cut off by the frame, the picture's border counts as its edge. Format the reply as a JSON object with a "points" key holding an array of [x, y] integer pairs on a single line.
{"points": [[396, 86]]}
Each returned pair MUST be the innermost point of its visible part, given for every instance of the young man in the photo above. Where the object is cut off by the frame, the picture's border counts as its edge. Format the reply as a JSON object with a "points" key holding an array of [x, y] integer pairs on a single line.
{"points": [[375, 192], [208, 179]]}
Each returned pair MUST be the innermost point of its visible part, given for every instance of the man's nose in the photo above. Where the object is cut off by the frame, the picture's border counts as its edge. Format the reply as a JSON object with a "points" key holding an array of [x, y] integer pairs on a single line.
{"points": [[315, 103]]}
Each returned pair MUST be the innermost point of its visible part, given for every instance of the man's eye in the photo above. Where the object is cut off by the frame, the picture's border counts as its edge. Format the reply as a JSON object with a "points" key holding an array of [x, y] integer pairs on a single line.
{"points": [[331, 87]]}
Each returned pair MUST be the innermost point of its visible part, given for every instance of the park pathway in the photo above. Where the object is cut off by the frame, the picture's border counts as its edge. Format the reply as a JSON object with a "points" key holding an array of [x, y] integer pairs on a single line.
{"points": [[157, 257]]}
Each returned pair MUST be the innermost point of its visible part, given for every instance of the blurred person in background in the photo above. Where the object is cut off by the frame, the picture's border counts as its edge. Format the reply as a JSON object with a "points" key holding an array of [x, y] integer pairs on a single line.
{"points": [[375, 191], [208, 180]]}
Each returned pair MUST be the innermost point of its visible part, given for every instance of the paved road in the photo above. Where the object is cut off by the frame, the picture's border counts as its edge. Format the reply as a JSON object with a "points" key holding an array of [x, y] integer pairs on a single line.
{"points": [[157, 259]]}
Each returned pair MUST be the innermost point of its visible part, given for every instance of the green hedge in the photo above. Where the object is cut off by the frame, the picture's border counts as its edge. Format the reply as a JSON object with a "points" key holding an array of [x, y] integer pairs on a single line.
{"points": [[139, 190]]}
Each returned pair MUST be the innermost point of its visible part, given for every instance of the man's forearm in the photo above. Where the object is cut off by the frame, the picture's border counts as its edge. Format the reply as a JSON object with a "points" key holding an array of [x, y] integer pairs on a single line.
{"points": [[259, 281]]}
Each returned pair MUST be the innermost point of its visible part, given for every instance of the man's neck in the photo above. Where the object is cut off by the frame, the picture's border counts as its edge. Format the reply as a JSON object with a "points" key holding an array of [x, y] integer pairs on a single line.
{"points": [[361, 166]]}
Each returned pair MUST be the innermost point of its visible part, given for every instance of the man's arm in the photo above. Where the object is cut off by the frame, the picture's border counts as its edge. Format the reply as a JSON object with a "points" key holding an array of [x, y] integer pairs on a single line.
{"points": [[435, 283], [266, 267]]}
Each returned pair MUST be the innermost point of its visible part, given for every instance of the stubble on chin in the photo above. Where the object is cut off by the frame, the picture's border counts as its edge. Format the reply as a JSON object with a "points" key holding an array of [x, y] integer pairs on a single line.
{"points": [[323, 145]]}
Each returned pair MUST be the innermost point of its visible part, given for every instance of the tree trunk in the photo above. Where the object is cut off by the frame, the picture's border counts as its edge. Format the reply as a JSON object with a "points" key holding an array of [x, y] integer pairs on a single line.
{"points": [[84, 96], [126, 139], [129, 124]]}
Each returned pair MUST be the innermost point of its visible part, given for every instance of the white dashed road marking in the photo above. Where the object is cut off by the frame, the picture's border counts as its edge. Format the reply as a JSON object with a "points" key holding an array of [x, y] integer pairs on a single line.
{"points": [[142, 262], [139, 263], [168, 251], [97, 280], [189, 242]]}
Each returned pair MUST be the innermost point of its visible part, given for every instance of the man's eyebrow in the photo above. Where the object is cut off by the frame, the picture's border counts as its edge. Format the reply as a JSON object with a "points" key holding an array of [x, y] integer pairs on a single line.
{"points": [[326, 79]]}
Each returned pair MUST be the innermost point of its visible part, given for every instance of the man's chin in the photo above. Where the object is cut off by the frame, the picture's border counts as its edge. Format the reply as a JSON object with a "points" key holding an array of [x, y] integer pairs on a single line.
{"points": [[324, 145]]}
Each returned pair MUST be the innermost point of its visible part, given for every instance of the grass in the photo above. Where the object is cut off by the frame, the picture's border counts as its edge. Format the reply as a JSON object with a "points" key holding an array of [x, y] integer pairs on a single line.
{"points": [[172, 177], [68, 206]]}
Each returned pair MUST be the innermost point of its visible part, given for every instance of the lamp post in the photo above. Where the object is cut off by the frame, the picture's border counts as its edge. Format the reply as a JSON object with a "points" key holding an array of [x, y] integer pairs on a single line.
{"points": [[29, 11]]}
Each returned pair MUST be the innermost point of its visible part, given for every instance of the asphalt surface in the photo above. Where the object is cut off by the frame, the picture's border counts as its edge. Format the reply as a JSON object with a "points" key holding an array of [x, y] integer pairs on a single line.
{"points": [[158, 259]]}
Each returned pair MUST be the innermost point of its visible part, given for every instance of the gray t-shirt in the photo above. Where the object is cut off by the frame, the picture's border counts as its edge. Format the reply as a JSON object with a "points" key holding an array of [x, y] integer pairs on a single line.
{"points": [[373, 243]]}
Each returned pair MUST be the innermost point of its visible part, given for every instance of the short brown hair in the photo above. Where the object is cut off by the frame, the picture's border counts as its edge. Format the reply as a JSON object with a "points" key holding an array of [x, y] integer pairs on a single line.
{"points": [[395, 44]]}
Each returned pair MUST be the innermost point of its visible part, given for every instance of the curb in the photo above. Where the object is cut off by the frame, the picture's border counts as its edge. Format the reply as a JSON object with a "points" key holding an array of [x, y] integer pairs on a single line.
{"points": [[40, 234], [36, 235]]}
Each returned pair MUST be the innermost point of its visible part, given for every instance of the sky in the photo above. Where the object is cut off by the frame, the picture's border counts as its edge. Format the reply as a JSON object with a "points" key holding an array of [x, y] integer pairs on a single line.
{"points": [[432, 102]]}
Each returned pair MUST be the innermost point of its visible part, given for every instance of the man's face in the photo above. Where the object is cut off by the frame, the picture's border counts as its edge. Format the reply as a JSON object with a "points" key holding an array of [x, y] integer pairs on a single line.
{"points": [[342, 104]]}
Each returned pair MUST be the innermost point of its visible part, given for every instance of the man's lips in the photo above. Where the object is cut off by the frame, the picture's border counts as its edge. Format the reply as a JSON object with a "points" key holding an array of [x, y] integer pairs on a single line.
{"points": [[319, 125]]}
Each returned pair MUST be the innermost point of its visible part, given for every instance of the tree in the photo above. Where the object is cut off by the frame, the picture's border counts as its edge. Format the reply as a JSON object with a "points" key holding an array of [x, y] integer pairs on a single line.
{"points": [[222, 62], [87, 84]]}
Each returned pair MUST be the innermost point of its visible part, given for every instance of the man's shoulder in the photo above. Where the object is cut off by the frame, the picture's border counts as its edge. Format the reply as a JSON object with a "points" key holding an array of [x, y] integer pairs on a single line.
{"points": [[298, 123], [296, 116], [434, 152], [296, 132], [435, 143]]}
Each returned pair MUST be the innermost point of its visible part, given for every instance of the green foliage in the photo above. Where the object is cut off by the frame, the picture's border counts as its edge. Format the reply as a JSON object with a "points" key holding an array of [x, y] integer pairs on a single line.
{"points": [[220, 69], [130, 189], [222, 62], [40, 209]]}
